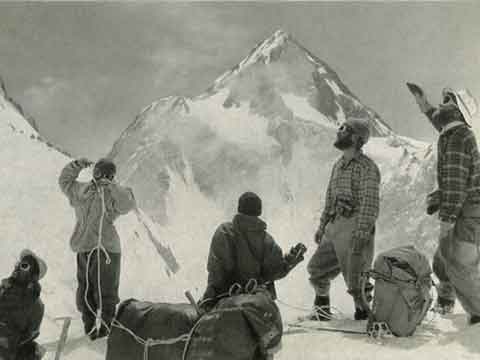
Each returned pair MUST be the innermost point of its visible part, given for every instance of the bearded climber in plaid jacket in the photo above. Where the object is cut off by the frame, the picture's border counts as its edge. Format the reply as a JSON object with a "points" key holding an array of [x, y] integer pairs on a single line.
{"points": [[457, 202], [345, 236]]}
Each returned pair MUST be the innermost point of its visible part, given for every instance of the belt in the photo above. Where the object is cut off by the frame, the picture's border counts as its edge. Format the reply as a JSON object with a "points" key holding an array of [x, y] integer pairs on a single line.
{"points": [[471, 210]]}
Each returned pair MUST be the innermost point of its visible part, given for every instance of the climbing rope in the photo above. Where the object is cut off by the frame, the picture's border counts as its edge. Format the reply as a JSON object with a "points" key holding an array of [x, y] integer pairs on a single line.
{"points": [[99, 249], [326, 311], [148, 343]]}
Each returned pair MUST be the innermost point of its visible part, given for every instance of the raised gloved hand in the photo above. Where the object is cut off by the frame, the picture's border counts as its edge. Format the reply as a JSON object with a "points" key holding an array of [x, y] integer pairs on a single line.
{"points": [[420, 97], [83, 162], [295, 255]]}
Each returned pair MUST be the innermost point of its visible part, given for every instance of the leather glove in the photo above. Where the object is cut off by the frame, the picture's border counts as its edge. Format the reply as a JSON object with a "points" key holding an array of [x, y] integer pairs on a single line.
{"points": [[295, 255], [433, 202], [84, 162], [420, 97]]}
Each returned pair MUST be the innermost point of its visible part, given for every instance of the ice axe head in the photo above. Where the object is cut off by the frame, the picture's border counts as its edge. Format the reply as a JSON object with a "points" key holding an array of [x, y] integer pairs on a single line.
{"points": [[62, 318]]}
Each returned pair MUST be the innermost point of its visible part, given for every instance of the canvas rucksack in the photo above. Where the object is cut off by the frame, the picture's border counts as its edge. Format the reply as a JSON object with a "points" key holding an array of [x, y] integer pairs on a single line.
{"points": [[245, 326], [402, 293]]}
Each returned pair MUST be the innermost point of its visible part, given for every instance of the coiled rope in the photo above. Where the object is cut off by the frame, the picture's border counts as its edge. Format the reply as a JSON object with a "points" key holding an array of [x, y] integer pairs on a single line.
{"points": [[99, 249]]}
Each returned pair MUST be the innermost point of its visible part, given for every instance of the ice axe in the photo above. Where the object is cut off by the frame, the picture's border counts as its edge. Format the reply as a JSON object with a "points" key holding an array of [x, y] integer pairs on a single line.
{"points": [[164, 251], [192, 301], [63, 335]]}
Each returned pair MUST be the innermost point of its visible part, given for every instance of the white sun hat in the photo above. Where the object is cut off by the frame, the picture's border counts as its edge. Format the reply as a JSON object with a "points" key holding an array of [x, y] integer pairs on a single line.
{"points": [[42, 266], [465, 101]]}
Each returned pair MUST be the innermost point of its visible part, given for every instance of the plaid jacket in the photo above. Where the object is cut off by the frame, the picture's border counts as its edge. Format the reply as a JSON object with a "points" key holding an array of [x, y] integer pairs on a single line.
{"points": [[458, 171], [358, 182]]}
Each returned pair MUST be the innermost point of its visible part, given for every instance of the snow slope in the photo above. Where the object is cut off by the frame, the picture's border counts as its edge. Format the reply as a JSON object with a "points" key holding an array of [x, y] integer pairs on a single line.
{"points": [[36, 215], [189, 159], [268, 125]]}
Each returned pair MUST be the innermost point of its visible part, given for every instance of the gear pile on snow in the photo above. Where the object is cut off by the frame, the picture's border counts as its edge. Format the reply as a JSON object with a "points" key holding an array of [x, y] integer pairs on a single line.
{"points": [[138, 321], [239, 327], [402, 289]]}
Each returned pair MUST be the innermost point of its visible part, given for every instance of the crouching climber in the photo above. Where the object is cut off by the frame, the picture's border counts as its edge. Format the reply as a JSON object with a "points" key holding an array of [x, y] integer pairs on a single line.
{"points": [[97, 205], [243, 250], [237, 318], [21, 309]]}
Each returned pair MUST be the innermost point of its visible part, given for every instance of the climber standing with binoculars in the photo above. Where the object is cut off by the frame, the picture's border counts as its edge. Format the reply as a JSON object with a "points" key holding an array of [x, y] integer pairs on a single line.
{"points": [[97, 204]]}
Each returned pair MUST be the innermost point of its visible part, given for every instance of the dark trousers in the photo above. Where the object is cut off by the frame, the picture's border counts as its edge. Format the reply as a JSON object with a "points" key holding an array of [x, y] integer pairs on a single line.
{"points": [[89, 290]]}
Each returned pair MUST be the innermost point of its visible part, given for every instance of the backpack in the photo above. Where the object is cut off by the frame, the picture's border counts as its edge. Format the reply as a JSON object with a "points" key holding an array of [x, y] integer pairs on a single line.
{"points": [[149, 320], [402, 293], [245, 326]]}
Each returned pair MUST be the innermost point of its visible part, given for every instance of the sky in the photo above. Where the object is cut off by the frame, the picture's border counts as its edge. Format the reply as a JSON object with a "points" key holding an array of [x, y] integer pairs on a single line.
{"points": [[85, 70]]}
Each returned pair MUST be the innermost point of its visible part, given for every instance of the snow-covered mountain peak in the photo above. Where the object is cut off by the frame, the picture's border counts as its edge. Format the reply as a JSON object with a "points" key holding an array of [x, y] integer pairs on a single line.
{"points": [[3, 90], [281, 66], [268, 50]]}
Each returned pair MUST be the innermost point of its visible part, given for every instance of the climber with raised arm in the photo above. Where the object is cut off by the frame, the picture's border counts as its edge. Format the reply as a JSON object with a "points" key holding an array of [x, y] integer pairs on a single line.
{"points": [[457, 200], [97, 204]]}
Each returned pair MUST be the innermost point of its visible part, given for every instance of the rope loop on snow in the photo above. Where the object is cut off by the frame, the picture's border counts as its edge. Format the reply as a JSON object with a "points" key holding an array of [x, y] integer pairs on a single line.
{"points": [[148, 343]]}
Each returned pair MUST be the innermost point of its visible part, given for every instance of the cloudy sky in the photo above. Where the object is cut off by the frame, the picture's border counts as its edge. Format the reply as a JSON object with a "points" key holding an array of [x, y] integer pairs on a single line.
{"points": [[84, 70]]}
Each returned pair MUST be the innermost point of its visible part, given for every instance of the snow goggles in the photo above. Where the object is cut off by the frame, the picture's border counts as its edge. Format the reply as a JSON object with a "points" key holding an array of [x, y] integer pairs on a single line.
{"points": [[449, 99], [23, 265], [98, 174], [345, 128]]}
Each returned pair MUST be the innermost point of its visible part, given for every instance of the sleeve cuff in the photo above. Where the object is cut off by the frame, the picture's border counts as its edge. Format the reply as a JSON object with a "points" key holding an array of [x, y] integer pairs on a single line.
{"points": [[429, 112], [362, 234], [448, 218], [76, 164]]}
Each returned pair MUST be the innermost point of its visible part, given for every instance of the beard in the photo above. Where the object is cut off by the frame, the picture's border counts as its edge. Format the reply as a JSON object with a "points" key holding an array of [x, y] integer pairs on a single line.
{"points": [[20, 278], [447, 114], [344, 142]]}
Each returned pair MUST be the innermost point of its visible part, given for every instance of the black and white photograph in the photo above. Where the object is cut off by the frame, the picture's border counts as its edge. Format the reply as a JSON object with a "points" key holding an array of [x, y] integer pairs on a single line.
{"points": [[233, 180]]}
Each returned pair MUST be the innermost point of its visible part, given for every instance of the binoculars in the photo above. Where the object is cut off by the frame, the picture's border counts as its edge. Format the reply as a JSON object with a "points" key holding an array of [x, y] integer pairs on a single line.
{"points": [[298, 250]]}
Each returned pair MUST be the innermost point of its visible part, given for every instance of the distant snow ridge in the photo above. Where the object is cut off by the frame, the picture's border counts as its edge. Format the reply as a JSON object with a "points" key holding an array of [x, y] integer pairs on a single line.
{"points": [[268, 129], [36, 215], [15, 119], [268, 125]]}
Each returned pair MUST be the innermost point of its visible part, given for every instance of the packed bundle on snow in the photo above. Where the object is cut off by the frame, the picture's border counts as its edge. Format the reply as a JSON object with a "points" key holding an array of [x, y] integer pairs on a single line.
{"points": [[138, 321], [239, 327], [402, 294]]}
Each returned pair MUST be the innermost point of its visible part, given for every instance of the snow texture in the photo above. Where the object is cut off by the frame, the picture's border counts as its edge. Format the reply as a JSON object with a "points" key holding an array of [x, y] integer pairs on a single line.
{"points": [[207, 155]]}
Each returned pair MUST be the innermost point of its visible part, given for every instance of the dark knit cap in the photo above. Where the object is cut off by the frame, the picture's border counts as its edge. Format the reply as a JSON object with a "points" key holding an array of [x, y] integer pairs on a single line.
{"points": [[250, 204], [104, 168]]}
